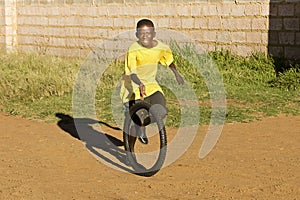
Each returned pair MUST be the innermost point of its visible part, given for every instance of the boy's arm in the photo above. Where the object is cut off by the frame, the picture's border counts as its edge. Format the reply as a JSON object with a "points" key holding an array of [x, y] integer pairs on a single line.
{"points": [[142, 87], [176, 73]]}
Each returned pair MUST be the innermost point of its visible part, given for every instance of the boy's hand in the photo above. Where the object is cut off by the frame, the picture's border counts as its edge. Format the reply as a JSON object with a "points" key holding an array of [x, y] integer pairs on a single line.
{"points": [[179, 79], [142, 89]]}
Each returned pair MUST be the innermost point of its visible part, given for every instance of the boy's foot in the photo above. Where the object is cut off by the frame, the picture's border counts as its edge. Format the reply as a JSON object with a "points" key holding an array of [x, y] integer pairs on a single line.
{"points": [[141, 132]]}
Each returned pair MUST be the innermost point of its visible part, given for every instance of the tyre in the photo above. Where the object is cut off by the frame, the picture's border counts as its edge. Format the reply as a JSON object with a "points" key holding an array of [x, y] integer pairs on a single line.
{"points": [[145, 163]]}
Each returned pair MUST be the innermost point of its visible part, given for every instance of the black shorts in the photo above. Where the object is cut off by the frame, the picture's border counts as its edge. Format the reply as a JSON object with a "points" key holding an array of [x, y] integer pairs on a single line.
{"points": [[155, 98]]}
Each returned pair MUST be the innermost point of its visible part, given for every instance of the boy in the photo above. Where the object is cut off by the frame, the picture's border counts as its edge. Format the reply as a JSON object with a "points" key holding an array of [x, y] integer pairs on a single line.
{"points": [[141, 64]]}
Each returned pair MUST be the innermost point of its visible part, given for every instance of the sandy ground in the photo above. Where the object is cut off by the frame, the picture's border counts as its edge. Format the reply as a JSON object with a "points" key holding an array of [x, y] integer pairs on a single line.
{"points": [[259, 160]]}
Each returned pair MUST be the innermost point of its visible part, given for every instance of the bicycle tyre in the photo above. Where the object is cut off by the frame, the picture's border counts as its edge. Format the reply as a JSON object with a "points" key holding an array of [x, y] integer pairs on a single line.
{"points": [[138, 168]]}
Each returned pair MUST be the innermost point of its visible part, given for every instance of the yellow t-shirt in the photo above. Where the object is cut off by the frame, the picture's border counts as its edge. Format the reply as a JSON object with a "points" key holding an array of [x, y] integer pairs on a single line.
{"points": [[143, 62]]}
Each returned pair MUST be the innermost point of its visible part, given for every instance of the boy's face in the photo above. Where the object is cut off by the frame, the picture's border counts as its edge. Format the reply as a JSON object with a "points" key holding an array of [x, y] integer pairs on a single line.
{"points": [[145, 34]]}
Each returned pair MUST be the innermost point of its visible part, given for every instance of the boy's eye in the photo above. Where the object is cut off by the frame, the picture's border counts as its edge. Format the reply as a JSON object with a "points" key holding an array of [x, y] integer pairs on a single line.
{"points": [[144, 33]]}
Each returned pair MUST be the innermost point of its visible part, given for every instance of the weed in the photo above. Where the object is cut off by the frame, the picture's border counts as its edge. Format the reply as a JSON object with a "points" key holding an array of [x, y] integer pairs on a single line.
{"points": [[39, 86]]}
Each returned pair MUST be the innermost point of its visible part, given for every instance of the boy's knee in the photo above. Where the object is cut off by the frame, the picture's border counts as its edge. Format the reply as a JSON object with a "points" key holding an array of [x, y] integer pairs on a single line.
{"points": [[160, 110]]}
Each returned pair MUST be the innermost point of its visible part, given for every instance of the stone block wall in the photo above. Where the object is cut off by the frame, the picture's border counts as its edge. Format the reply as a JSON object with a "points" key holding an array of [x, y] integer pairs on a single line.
{"points": [[2, 27], [71, 27], [284, 30], [8, 25]]}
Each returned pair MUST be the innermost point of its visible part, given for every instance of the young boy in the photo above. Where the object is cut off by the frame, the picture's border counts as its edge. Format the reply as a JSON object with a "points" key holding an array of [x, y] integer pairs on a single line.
{"points": [[141, 64]]}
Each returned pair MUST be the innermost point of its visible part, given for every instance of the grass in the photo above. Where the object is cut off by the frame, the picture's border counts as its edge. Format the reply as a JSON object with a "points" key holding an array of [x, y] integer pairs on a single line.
{"points": [[39, 86]]}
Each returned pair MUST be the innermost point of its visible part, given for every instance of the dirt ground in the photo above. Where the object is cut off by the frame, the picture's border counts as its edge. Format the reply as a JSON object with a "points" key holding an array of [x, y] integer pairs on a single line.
{"points": [[259, 160]]}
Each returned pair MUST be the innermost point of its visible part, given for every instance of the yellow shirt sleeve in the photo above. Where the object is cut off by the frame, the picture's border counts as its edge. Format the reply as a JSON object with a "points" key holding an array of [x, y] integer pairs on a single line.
{"points": [[167, 57], [130, 63]]}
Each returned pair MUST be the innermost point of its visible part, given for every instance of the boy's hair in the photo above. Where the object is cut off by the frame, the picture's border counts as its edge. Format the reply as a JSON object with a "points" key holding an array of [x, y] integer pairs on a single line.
{"points": [[144, 22]]}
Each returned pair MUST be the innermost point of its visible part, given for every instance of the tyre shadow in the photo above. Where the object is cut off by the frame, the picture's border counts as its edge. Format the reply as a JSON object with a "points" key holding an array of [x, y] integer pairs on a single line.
{"points": [[83, 130]]}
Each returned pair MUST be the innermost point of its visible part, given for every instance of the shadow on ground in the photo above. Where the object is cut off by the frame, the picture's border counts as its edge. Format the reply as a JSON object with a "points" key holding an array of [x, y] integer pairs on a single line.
{"points": [[82, 129]]}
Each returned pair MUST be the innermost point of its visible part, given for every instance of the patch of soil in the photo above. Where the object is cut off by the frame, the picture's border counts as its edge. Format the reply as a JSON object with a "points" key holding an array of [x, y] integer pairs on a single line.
{"points": [[257, 160]]}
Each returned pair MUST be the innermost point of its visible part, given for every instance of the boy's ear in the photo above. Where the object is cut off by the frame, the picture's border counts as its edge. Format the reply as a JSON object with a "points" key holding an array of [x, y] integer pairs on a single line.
{"points": [[136, 34], [154, 34]]}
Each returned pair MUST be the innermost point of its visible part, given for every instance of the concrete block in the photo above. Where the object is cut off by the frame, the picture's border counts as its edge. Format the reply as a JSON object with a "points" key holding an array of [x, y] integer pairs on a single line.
{"points": [[183, 10], [291, 24], [214, 23], [224, 9], [286, 10], [239, 37], [88, 21], [119, 11], [224, 37], [70, 42], [156, 10], [238, 10], [201, 23], [175, 23], [259, 23], [209, 36], [103, 22], [264, 38], [297, 40], [286, 38], [170, 10], [102, 10], [69, 21], [273, 38], [253, 37], [129, 22], [65, 11], [8, 21], [243, 50], [24, 30], [297, 8], [275, 24], [55, 21], [273, 10], [253, 10], [55, 11], [92, 11], [196, 35], [260, 48], [265, 10], [292, 52], [57, 42], [188, 23], [163, 22], [209, 10], [117, 22], [196, 10], [227, 24], [240, 24], [213, 9], [145, 11], [73, 32], [40, 21], [211, 47]]}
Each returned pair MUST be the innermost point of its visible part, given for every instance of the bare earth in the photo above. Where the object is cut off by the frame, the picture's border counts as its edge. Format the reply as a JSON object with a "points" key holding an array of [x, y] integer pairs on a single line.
{"points": [[259, 160]]}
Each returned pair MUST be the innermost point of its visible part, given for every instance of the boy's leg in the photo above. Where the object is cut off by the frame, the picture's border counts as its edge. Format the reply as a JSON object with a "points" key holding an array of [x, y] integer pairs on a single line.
{"points": [[158, 105], [140, 131], [132, 138], [132, 129]]}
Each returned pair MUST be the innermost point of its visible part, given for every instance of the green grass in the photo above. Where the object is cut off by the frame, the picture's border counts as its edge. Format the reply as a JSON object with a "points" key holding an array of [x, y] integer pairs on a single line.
{"points": [[39, 86]]}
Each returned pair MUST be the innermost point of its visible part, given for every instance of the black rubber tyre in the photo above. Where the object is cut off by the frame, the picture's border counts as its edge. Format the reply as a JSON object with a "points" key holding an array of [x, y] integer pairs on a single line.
{"points": [[138, 168]]}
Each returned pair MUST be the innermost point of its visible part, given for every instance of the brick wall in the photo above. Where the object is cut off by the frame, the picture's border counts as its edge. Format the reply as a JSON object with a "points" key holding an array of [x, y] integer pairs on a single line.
{"points": [[2, 27], [68, 27], [284, 30], [8, 25]]}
